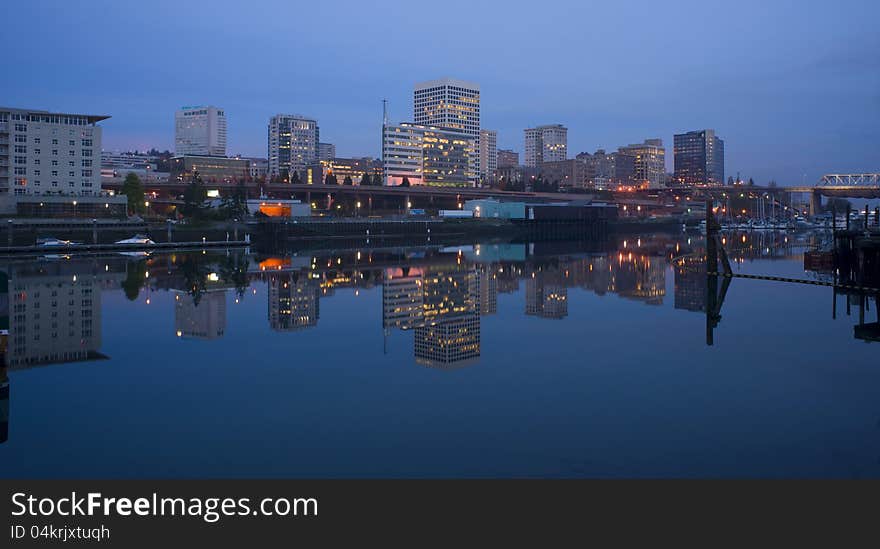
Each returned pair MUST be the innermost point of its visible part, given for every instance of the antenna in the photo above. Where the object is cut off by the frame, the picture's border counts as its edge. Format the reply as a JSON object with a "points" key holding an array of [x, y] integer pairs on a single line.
{"points": [[382, 141]]}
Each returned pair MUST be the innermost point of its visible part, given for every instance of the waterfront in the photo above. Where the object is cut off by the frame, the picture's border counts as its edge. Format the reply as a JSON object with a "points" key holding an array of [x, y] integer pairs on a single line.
{"points": [[483, 360]]}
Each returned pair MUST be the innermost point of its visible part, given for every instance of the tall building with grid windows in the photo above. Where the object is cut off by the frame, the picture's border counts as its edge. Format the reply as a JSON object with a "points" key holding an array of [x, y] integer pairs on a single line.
{"points": [[293, 144], [449, 103], [200, 131], [699, 158], [547, 143], [44, 152]]}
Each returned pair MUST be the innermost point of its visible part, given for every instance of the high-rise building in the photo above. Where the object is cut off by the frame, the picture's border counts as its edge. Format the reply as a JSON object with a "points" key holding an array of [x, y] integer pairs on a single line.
{"points": [[427, 155], [698, 158], [326, 151], [200, 130], [293, 144], [449, 103], [507, 159], [545, 144], [648, 163], [43, 152], [488, 153]]}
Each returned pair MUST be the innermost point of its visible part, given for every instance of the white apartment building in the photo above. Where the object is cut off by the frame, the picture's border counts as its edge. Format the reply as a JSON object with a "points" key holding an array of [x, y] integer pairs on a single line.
{"points": [[43, 152], [293, 143], [449, 103], [326, 151], [488, 153], [547, 143], [200, 131], [428, 155]]}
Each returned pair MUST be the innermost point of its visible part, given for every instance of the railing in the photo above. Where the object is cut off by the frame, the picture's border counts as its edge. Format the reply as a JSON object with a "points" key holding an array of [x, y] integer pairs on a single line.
{"points": [[850, 180]]}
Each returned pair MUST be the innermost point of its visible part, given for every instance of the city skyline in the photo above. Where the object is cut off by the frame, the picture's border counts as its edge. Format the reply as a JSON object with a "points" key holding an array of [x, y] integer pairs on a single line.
{"points": [[789, 109]]}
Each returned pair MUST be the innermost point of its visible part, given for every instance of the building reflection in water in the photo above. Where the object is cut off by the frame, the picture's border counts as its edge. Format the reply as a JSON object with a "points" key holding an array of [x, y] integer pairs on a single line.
{"points": [[55, 310], [293, 301], [690, 283], [202, 319], [442, 305]]}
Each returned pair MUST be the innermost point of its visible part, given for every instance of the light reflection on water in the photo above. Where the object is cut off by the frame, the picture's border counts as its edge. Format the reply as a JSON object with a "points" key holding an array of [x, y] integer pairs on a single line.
{"points": [[544, 359]]}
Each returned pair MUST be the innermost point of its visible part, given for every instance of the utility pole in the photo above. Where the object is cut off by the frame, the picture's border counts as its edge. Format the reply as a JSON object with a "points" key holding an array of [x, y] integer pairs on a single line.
{"points": [[382, 142]]}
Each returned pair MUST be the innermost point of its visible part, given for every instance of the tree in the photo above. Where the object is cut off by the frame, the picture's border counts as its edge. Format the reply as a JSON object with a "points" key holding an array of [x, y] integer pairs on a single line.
{"points": [[366, 180], [294, 177], [347, 180], [751, 182], [730, 181], [194, 196], [405, 182], [772, 183], [133, 189], [134, 280]]}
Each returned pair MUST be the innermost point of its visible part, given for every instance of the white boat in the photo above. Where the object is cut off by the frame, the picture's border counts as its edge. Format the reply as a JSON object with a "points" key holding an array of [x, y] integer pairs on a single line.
{"points": [[136, 239], [51, 242]]}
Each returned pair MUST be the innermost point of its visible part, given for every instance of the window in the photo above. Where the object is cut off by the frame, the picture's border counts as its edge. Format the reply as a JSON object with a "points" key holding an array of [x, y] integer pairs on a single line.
{"points": [[54, 152], [37, 172], [71, 174], [21, 149], [54, 141], [21, 139], [86, 142], [21, 127], [87, 152], [86, 163], [21, 160], [36, 151], [72, 152], [54, 173], [87, 173], [72, 143], [37, 161], [20, 171], [36, 141], [71, 163], [54, 162]]}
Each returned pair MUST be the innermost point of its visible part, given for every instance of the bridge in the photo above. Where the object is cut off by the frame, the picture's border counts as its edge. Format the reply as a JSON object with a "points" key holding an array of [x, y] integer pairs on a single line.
{"points": [[404, 197]]}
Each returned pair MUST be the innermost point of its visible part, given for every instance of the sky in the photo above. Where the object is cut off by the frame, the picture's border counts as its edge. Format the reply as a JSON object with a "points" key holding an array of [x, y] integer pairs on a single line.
{"points": [[793, 87]]}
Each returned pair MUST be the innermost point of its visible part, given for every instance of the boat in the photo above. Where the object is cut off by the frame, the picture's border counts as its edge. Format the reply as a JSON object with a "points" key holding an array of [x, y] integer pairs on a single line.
{"points": [[136, 239], [52, 242]]}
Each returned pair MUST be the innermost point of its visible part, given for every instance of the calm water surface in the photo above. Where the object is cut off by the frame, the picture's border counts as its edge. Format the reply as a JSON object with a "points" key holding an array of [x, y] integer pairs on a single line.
{"points": [[486, 360]]}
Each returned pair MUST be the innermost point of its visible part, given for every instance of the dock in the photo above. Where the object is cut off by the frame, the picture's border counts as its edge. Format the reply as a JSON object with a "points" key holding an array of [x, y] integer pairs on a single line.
{"points": [[116, 247]]}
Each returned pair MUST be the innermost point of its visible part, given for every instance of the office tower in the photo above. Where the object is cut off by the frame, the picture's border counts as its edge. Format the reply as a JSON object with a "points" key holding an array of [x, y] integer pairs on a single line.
{"points": [[698, 158], [200, 130], [488, 153], [326, 151], [205, 319], [449, 103], [427, 155], [293, 144], [45, 152], [648, 163], [545, 144], [507, 159]]}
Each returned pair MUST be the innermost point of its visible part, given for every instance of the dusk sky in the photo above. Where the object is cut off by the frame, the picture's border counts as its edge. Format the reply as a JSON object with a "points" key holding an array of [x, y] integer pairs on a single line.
{"points": [[793, 87]]}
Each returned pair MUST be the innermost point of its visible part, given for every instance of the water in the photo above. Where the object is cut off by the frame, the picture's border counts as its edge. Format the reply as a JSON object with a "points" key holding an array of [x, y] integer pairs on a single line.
{"points": [[559, 360]]}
